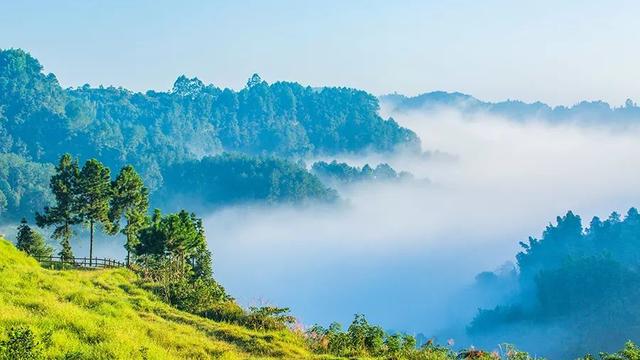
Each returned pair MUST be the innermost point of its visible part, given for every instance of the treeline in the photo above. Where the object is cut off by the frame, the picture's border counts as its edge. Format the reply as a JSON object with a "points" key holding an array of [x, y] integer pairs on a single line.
{"points": [[343, 173], [596, 112], [39, 120], [158, 131], [580, 282], [23, 186], [89, 196], [170, 249], [211, 181], [237, 178]]}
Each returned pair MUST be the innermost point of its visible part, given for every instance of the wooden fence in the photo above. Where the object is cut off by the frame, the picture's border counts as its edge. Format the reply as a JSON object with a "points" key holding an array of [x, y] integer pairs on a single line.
{"points": [[80, 263]]}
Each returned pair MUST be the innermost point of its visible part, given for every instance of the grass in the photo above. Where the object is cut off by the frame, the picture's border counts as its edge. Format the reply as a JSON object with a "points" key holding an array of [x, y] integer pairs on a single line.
{"points": [[104, 314]]}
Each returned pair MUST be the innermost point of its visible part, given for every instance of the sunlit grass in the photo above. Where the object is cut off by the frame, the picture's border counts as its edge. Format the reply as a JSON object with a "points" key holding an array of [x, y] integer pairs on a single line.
{"points": [[103, 314]]}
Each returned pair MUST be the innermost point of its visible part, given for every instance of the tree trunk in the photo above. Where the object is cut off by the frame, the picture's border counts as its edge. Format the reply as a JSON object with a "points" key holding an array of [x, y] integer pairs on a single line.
{"points": [[128, 249], [91, 243]]}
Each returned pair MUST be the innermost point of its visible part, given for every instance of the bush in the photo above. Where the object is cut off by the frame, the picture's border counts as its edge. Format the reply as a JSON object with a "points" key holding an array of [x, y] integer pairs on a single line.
{"points": [[20, 344], [226, 311], [268, 318], [361, 340]]}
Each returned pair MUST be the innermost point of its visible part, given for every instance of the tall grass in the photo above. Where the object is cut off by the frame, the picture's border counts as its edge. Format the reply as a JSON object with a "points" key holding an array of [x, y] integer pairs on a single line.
{"points": [[104, 314]]}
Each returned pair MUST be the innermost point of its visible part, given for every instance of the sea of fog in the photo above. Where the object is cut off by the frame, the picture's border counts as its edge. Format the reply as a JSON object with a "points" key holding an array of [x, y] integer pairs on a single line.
{"points": [[404, 253]]}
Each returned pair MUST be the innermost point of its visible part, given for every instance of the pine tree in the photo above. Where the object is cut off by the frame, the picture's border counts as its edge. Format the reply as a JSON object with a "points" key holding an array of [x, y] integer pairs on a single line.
{"points": [[131, 199], [31, 241], [94, 196], [66, 254], [64, 214]]}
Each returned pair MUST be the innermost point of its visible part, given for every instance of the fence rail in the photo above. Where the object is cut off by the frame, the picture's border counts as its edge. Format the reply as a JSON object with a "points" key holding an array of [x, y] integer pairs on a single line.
{"points": [[82, 263]]}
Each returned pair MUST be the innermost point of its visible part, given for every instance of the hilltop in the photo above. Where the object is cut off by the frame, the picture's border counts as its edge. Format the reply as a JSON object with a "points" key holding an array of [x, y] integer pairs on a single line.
{"points": [[105, 314]]}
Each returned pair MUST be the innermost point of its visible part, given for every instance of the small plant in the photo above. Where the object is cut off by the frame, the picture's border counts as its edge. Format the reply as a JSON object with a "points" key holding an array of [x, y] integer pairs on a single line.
{"points": [[268, 318], [21, 344], [510, 352]]}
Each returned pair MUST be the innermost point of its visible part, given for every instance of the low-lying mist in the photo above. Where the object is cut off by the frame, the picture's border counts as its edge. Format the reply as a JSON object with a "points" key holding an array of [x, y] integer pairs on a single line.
{"points": [[404, 253]]}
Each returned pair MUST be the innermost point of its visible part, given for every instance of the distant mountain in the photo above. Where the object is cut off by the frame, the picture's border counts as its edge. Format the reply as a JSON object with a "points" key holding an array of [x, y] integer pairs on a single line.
{"points": [[591, 111]]}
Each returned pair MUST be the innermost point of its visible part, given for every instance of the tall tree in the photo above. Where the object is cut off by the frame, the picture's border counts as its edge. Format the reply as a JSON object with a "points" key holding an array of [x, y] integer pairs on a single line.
{"points": [[180, 237], [94, 196], [131, 200], [31, 241], [64, 186]]}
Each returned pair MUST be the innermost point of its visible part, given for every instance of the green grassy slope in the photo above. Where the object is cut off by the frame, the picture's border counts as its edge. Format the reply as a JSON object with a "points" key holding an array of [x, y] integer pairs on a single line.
{"points": [[103, 314]]}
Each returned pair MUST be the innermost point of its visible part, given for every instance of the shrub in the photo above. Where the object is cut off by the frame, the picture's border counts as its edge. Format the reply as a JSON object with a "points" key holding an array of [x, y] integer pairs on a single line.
{"points": [[268, 318], [226, 311], [21, 344]]}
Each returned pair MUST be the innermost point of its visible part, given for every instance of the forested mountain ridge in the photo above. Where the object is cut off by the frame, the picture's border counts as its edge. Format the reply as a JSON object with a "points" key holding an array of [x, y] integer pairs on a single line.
{"points": [[589, 111], [155, 130], [40, 119]]}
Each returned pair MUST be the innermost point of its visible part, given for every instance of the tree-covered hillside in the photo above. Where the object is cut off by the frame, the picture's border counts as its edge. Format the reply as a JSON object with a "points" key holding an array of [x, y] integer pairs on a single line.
{"points": [[40, 120], [157, 131], [24, 185], [343, 173], [579, 284]]}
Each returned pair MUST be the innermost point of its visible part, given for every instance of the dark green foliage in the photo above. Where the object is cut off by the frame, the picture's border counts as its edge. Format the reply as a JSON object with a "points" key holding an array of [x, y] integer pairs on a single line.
{"points": [[584, 280], [24, 186], [586, 284], [227, 311], [89, 196], [21, 344], [630, 352], [154, 129], [335, 172], [32, 104], [66, 253], [361, 340], [31, 241], [192, 295], [93, 196], [130, 198], [232, 178], [268, 318], [178, 236], [175, 262], [63, 214]]}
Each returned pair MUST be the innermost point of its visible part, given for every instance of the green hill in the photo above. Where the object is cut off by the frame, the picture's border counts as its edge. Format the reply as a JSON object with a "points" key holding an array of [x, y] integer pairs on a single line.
{"points": [[104, 314]]}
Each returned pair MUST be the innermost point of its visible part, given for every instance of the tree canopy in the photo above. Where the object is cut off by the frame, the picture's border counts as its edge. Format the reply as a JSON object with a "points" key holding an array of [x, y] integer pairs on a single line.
{"points": [[583, 280], [31, 241], [236, 178], [151, 130], [154, 131]]}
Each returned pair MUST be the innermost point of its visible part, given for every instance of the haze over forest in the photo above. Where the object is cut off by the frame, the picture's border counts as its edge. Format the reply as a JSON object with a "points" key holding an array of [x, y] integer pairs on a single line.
{"points": [[453, 178]]}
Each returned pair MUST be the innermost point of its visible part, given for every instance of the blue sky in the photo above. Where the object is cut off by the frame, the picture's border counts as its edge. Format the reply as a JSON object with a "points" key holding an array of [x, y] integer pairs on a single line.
{"points": [[555, 51]]}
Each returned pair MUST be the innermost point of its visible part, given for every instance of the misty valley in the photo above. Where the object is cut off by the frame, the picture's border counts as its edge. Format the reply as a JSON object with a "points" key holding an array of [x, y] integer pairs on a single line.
{"points": [[288, 221]]}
